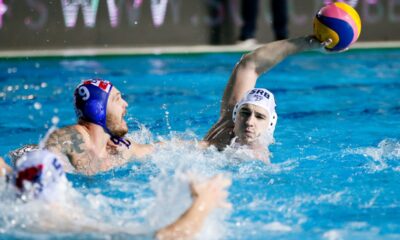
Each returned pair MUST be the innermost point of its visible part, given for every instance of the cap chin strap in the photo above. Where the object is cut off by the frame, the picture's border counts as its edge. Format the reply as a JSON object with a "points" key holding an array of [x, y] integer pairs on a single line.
{"points": [[119, 140], [115, 139]]}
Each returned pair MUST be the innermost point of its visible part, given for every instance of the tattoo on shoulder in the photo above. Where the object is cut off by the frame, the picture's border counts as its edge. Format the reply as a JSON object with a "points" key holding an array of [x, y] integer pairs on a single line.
{"points": [[66, 140]]}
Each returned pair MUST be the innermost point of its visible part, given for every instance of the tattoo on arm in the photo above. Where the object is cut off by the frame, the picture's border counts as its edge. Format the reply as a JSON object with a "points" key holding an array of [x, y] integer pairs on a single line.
{"points": [[66, 140], [69, 141]]}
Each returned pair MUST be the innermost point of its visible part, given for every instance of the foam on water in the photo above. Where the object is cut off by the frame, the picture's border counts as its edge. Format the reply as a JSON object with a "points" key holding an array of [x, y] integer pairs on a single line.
{"points": [[147, 206], [385, 155]]}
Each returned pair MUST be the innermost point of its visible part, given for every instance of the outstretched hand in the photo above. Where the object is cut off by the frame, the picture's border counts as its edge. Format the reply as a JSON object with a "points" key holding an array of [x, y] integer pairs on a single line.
{"points": [[316, 44], [207, 195], [212, 193]]}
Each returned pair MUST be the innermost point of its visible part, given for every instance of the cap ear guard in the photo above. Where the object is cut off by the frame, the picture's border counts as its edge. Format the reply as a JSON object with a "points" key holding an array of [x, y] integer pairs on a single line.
{"points": [[94, 111], [272, 122], [91, 99]]}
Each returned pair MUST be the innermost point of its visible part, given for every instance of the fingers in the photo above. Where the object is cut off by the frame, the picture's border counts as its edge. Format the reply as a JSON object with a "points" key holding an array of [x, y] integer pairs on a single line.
{"points": [[326, 43], [215, 187]]}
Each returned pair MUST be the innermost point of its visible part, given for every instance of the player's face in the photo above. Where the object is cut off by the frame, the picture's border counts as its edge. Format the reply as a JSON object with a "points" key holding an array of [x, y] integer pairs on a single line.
{"points": [[251, 122], [116, 111]]}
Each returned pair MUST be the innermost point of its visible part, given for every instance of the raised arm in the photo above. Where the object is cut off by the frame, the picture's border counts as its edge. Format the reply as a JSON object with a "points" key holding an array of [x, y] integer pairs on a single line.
{"points": [[255, 63], [244, 78], [206, 197]]}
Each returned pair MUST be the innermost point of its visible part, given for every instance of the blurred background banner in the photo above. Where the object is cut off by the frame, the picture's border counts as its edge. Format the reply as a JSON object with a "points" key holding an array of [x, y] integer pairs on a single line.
{"points": [[50, 24]]}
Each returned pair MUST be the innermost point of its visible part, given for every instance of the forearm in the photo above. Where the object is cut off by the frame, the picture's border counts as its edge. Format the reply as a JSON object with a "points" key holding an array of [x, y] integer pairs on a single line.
{"points": [[188, 225], [271, 54], [253, 64]]}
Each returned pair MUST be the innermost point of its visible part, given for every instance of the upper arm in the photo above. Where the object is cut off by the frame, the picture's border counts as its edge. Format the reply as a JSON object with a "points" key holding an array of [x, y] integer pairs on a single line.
{"points": [[61, 143], [243, 79], [68, 144], [255, 63]]}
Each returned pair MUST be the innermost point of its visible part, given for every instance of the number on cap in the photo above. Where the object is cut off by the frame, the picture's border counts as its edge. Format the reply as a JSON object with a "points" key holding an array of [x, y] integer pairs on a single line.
{"points": [[84, 93]]}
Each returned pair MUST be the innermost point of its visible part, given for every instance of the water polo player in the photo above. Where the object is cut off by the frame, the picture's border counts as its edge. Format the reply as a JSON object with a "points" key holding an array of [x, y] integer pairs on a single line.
{"points": [[247, 115], [96, 143], [39, 176]]}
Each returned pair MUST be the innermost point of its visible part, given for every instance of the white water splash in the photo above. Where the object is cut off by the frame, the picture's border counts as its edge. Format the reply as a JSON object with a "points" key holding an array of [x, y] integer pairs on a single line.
{"points": [[277, 227], [386, 151]]}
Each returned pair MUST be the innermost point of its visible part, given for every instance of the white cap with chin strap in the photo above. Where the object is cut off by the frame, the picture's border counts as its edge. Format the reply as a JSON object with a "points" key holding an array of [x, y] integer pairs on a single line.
{"points": [[263, 98]]}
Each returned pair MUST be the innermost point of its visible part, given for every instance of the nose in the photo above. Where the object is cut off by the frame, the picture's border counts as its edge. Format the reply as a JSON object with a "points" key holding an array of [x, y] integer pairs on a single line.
{"points": [[250, 120], [124, 103]]}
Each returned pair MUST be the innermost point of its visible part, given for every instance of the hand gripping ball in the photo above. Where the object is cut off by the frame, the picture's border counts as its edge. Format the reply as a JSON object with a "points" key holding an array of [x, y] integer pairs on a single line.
{"points": [[339, 22]]}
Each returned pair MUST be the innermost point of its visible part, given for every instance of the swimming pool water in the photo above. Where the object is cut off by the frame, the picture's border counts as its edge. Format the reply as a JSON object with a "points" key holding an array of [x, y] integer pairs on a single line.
{"points": [[335, 167]]}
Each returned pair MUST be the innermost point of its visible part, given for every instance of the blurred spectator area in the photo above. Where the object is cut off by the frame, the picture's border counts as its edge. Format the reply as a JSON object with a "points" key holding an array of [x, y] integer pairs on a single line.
{"points": [[48, 24]]}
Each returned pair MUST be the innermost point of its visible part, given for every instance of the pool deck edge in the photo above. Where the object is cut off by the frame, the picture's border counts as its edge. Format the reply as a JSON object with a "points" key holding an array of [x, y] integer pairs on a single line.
{"points": [[159, 50]]}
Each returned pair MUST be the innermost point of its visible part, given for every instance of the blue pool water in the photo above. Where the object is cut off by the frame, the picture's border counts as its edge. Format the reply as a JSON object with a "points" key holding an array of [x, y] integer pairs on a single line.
{"points": [[336, 162]]}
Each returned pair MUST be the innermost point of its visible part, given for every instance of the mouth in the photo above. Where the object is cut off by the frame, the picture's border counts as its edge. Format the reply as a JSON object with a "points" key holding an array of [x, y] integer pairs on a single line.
{"points": [[249, 130], [249, 133]]}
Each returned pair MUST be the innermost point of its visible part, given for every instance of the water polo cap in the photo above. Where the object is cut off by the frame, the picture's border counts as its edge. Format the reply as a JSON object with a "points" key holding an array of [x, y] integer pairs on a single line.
{"points": [[39, 172], [91, 98], [263, 98]]}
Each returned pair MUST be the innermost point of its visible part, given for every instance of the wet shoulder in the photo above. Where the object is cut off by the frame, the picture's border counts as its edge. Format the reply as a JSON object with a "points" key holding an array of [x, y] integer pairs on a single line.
{"points": [[66, 140]]}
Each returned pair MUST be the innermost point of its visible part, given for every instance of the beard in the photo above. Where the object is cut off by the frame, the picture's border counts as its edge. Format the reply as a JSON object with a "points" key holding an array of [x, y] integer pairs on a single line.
{"points": [[117, 126]]}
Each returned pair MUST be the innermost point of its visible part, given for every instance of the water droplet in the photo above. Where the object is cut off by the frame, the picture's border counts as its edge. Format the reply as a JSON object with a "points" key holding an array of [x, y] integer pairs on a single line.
{"points": [[12, 70], [37, 106], [55, 120], [43, 84]]}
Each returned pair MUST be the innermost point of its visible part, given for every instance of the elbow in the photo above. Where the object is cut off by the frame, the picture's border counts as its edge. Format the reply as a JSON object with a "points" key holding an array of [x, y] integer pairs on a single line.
{"points": [[247, 62], [256, 62]]}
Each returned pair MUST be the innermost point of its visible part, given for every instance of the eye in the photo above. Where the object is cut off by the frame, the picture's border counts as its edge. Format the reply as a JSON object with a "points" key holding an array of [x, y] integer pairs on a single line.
{"points": [[245, 113]]}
